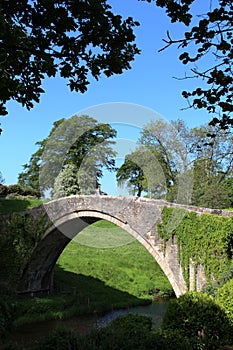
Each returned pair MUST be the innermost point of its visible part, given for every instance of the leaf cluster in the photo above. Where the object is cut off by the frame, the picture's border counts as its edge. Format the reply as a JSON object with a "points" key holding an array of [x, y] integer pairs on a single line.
{"points": [[74, 39], [207, 41]]}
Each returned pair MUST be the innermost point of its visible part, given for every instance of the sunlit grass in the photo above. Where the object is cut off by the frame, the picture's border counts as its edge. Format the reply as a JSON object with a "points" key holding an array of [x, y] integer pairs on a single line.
{"points": [[13, 205], [125, 267]]}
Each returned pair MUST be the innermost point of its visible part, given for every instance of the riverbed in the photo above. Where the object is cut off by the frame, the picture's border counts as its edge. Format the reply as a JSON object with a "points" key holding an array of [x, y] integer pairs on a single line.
{"points": [[29, 333]]}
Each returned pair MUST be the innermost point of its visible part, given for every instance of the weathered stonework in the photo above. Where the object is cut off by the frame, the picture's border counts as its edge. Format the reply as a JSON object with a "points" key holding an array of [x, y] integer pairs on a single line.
{"points": [[137, 216]]}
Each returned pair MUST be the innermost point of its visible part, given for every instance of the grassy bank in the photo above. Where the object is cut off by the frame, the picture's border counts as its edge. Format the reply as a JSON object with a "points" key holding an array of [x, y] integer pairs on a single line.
{"points": [[13, 205]]}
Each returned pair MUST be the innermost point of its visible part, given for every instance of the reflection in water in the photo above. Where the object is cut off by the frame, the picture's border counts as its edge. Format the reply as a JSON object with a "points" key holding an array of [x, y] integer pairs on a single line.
{"points": [[28, 334]]}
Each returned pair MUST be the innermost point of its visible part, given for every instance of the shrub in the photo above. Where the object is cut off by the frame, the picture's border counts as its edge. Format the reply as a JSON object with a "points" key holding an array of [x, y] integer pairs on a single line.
{"points": [[225, 299], [16, 189], [173, 340], [61, 340], [197, 314], [7, 310], [125, 332], [3, 190]]}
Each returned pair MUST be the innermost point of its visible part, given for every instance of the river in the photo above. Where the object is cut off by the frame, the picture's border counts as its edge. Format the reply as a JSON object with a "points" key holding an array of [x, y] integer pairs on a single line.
{"points": [[27, 334]]}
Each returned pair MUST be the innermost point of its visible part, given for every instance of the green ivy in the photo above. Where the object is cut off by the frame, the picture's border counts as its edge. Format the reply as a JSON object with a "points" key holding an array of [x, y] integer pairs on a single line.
{"points": [[205, 239]]}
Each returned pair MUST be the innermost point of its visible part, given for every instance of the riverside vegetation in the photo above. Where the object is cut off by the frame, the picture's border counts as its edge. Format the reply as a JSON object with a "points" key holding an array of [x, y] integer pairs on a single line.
{"points": [[90, 279]]}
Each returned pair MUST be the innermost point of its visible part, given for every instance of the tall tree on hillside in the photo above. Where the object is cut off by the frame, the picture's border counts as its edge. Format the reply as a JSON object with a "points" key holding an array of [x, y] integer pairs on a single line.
{"points": [[79, 141], [212, 165], [75, 39], [207, 49], [167, 142], [131, 173], [143, 171]]}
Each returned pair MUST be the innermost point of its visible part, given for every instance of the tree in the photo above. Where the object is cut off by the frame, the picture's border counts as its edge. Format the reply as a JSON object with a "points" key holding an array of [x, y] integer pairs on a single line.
{"points": [[167, 142], [73, 38], [207, 43], [181, 164], [131, 174], [212, 166], [228, 186], [142, 172], [66, 183], [78, 145]]}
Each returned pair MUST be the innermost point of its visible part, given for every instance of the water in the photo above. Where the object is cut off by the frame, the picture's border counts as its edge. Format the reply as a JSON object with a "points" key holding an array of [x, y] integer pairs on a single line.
{"points": [[155, 311], [26, 335]]}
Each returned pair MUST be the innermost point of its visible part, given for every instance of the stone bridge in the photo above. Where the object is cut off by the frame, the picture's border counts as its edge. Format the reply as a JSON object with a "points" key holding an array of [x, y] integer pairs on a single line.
{"points": [[138, 216]]}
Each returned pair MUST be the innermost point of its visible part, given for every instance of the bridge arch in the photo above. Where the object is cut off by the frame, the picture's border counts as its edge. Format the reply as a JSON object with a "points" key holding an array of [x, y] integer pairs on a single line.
{"points": [[38, 274]]}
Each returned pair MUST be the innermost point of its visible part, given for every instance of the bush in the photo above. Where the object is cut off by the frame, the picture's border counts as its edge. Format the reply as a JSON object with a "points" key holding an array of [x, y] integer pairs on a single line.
{"points": [[197, 314], [124, 333], [3, 190], [225, 299], [16, 189], [7, 310], [173, 340], [62, 340]]}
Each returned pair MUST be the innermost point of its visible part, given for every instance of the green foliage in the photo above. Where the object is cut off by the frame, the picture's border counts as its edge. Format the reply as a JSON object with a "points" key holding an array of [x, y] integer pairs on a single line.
{"points": [[78, 147], [212, 287], [62, 340], [3, 190], [197, 314], [204, 239], [7, 313], [181, 164], [14, 205], [66, 182], [208, 40], [74, 40], [131, 173], [228, 186], [172, 339], [21, 237], [52, 307], [18, 191], [143, 170], [225, 299], [125, 332]]}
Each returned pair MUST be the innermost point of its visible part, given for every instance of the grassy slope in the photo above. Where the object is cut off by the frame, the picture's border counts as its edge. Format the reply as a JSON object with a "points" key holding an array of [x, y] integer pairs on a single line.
{"points": [[127, 267], [13, 205]]}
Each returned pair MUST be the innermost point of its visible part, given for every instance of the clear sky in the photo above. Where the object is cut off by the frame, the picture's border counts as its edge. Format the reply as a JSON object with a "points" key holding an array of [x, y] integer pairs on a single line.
{"points": [[149, 83]]}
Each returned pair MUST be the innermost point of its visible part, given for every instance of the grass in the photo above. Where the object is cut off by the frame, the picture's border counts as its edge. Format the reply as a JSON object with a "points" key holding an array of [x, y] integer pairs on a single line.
{"points": [[125, 267], [12, 205]]}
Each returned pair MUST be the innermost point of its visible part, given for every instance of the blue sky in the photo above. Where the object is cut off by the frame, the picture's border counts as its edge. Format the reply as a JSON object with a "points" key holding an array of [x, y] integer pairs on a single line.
{"points": [[149, 83]]}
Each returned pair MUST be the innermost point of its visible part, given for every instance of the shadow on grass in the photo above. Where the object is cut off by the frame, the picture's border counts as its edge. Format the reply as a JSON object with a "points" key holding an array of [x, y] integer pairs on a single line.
{"points": [[92, 292]]}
